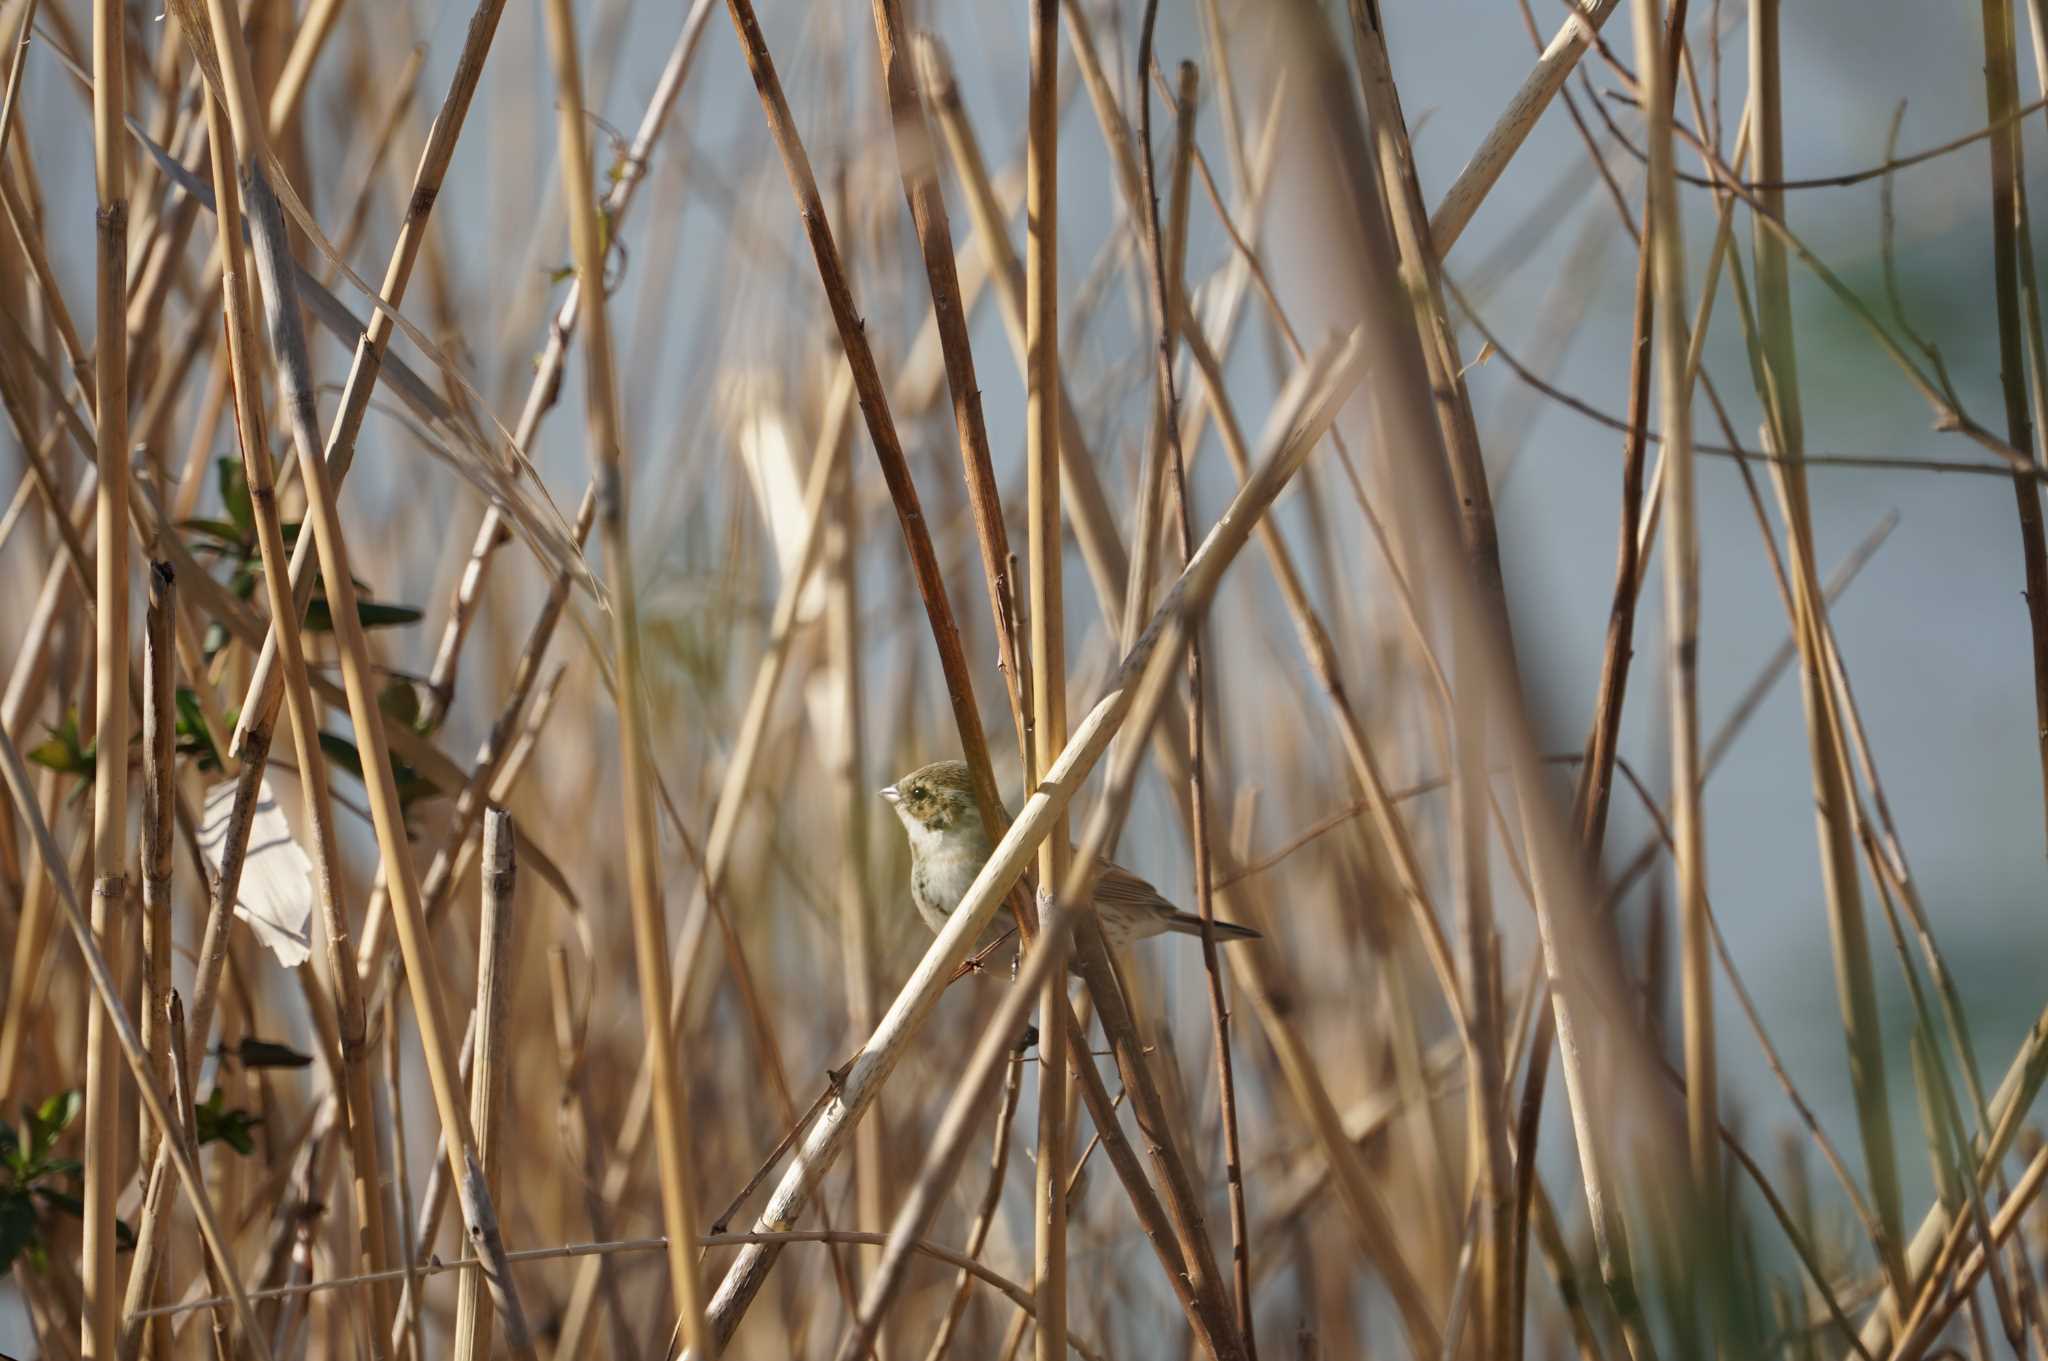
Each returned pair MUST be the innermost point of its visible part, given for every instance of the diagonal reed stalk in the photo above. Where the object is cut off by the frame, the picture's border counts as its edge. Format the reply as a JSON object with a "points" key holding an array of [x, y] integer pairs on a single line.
{"points": [[1307, 409], [279, 292]]}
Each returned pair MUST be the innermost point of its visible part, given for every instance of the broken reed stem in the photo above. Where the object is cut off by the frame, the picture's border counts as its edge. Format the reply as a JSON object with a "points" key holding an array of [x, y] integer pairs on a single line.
{"points": [[1579, 31], [1048, 672], [101, 1278], [159, 795], [643, 850], [487, 1075]]}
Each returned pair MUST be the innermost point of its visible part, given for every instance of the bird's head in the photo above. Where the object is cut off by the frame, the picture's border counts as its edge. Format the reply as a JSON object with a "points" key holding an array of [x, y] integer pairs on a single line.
{"points": [[934, 798]]}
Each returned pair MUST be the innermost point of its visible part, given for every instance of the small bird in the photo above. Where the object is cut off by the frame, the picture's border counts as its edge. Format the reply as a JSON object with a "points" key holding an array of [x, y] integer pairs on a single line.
{"points": [[949, 845]]}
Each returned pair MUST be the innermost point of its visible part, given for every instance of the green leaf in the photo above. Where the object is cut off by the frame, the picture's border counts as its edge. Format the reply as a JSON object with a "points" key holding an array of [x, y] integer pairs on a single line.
{"points": [[63, 752], [17, 1226], [228, 537], [234, 494], [255, 1053], [62, 1201], [412, 786], [375, 614], [49, 1121], [193, 738], [230, 1127]]}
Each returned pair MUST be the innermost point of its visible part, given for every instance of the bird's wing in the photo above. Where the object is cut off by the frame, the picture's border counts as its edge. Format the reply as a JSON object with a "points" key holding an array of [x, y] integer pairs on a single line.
{"points": [[1118, 887]]}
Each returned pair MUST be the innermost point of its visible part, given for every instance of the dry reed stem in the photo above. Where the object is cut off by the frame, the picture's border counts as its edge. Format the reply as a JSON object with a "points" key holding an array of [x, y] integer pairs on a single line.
{"points": [[985, 1210], [1421, 261], [1036, 974], [487, 1075], [917, 163], [109, 393], [159, 794], [260, 705], [545, 389], [874, 404], [288, 345], [1048, 730], [576, 1131], [1168, 265], [1579, 31], [1081, 493], [1778, 391], [1310, 405], [247, 386], [1666, 244], [609, 473]]}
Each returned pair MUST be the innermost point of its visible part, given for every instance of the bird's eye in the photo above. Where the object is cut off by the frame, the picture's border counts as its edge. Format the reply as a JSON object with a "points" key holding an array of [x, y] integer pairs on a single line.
{"points": [[917, 791]]}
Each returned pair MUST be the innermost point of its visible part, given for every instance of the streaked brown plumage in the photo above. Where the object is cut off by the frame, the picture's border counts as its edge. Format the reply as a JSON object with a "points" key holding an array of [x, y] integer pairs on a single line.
{"points": [[949, 845]]}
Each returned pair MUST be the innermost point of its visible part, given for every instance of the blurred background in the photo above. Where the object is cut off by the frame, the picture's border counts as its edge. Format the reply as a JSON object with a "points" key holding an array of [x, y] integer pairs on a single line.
{"points": [[727, 362]]}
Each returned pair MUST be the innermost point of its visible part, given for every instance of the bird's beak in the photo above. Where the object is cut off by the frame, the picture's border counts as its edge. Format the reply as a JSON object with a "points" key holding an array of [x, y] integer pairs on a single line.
{"points": [[889, 793]]}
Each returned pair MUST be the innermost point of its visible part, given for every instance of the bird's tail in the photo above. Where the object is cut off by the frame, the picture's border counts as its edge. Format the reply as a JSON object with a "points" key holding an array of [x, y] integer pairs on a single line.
{"points": [[1188, 924]]}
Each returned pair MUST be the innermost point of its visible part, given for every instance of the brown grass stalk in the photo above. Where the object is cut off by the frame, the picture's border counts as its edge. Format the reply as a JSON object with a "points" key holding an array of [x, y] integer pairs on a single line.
{"points": [[609, 473], [1168, 265], [110, 717], [918, 166], [159, 794], [874, 405], [1048, 660], [1663, 231], [289, 349], [495, 960], [350, 1021]]}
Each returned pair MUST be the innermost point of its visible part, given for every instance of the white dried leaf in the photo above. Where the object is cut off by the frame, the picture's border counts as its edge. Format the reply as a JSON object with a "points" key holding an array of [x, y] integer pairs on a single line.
{"points": [[276, 897]]}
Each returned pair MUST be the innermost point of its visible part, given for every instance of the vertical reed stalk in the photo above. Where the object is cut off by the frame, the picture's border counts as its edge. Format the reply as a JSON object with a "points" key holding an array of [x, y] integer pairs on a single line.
{"points": [[1682, 599], [159, 795], [487, 1075], [673, 1131], [110, 715], [1048, 660], [1778, 390]]}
